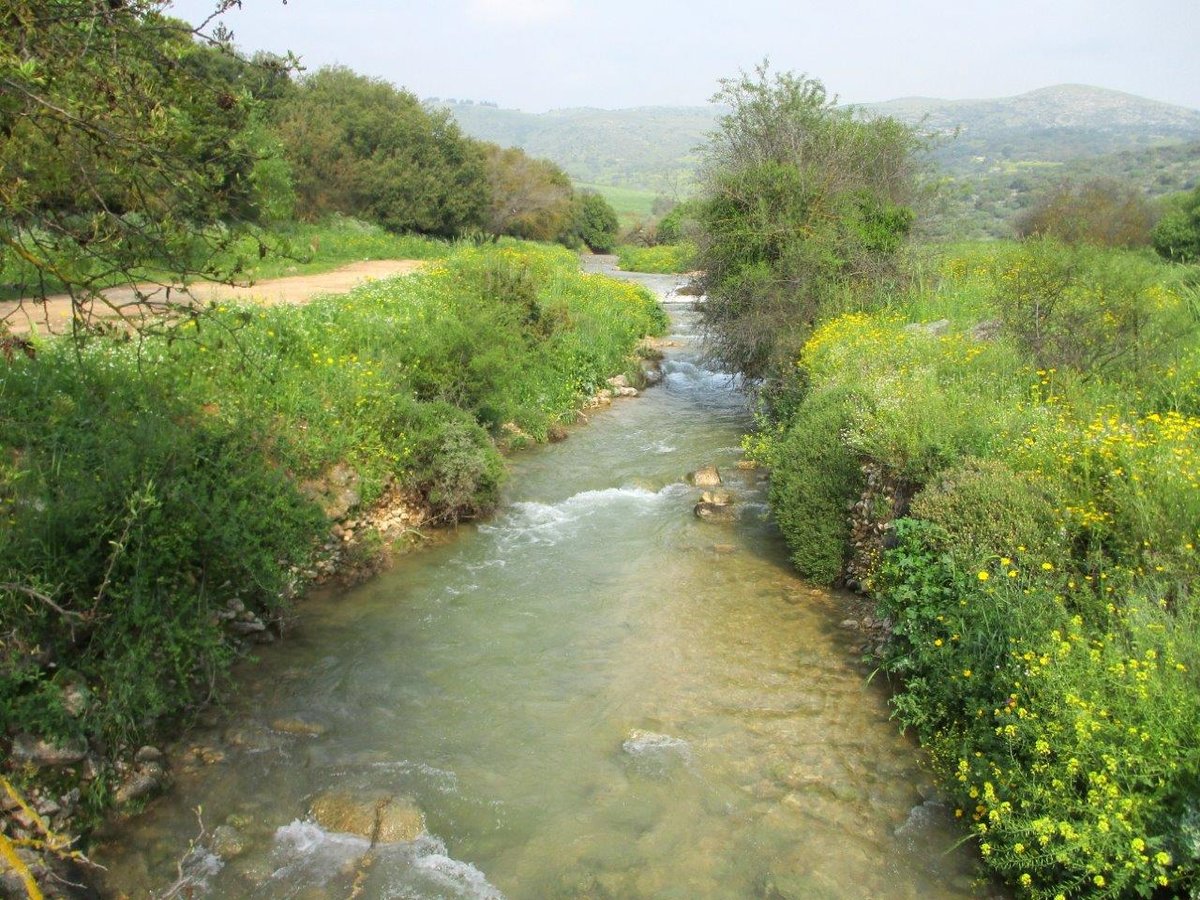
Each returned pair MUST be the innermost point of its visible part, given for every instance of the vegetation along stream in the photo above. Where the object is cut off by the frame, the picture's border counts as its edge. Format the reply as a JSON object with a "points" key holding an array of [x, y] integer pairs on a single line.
{"points": [[595, 693]]}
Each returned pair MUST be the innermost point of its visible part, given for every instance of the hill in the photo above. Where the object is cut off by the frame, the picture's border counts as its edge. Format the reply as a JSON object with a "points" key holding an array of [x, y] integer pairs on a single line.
{"points": [[1064, 122], [652, 148], [993, 156]]}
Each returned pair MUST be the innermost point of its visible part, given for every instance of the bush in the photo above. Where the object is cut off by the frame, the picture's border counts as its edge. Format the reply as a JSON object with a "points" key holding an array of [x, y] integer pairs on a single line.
{"points": [[982, 509], [1059, 709], [814, 479], [1090, 310], [1177, 235], [596, 222], [1102, 212], [803, 204]]}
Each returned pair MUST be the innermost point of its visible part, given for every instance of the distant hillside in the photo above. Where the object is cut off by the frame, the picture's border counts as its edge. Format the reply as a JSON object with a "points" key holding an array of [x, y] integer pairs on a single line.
{"points": [[983, 204], [1067, 121], [996, 154], [651, 148]]}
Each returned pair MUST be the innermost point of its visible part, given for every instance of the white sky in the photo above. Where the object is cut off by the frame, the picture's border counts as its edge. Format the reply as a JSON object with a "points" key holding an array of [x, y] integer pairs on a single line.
{"points": [[543, 54]]}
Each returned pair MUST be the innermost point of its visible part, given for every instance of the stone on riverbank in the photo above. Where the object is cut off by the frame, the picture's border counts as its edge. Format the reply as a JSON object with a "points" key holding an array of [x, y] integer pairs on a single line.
{"points": [[43, 754]]}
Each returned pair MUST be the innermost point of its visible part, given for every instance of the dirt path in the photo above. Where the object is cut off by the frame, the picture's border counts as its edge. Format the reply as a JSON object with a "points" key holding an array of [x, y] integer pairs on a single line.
{"points": [[55, 314]]}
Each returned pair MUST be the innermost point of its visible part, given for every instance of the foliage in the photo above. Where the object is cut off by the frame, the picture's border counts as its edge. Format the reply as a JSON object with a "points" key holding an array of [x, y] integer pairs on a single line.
{"points": [[121, 146], [1103, 212], [1088, 310], [671, 228], [813, 481], [530, 198], [664, 259], [596, 222], [1177, 235], [1042, 594], [145, 484], [360, 147], [802, 202]]}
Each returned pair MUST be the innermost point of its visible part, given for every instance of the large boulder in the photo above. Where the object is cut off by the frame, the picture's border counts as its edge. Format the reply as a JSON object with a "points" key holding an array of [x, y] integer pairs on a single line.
{"points": [[381, 818], [706, 477]]}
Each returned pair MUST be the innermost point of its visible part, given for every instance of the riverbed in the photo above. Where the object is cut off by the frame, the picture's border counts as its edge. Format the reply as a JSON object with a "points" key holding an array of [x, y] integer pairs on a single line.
{"points": [[592, 694]]}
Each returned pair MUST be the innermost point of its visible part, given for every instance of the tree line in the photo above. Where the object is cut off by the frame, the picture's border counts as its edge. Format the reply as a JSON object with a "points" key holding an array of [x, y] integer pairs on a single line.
{"points": [[136, 142]]}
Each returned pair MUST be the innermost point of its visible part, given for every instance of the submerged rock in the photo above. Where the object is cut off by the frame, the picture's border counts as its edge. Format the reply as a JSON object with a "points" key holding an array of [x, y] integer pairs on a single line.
{"points": [[299, 726], [716, 506], [147, 779], [641, 742], [379, 817]]}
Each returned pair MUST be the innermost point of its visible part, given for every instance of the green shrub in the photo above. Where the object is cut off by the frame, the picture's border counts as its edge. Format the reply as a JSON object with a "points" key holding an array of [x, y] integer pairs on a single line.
{"points": [[814, 478], [596, 222], [984, 509], [1090, 310], [1177, 234], [1060, 710]]}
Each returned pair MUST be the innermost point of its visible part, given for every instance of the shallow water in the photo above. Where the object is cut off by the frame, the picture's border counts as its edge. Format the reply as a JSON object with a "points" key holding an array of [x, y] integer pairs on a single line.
{"points": [[594, 695]]}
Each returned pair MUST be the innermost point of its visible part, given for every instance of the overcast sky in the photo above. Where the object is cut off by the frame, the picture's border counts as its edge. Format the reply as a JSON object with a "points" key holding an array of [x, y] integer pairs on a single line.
{"points": [[543, 54]]}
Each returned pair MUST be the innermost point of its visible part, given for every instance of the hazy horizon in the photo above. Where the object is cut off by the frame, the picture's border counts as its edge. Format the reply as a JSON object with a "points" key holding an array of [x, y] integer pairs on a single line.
{"points": [[537, 55]]}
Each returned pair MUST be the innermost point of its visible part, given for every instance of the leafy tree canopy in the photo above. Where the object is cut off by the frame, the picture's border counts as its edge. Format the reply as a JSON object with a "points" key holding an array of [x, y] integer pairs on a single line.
{"points": [[1177, 235], [801, 202], [120, 148], [361, 147]]}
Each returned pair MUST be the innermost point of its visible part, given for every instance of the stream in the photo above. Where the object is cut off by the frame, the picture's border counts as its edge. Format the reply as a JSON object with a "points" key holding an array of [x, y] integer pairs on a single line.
{"points": [[593, 694]]}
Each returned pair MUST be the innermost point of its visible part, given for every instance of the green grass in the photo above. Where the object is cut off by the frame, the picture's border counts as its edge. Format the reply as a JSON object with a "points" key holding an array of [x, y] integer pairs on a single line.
{"points": [[630, 204], [663, 259], [146, 484]]}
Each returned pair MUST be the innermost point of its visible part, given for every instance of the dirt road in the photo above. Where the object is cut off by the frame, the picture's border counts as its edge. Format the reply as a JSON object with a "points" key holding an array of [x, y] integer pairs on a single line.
{"points": [[55, 314]]}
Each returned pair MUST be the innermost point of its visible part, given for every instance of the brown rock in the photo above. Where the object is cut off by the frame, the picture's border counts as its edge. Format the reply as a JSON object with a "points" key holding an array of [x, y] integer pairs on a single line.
{"points": [[708, 476], [379, 817]]}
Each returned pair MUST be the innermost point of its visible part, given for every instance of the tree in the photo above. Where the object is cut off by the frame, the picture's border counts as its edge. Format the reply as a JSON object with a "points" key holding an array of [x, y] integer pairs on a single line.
{"points": [[1104, 212], [361, 147], [120, 150], [802, 202], [530, 198], [596, 222], [1177, 235]]}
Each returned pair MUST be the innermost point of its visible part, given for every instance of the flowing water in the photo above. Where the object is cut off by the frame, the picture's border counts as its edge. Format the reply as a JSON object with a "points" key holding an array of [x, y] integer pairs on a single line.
{"points": [[592, 695]]}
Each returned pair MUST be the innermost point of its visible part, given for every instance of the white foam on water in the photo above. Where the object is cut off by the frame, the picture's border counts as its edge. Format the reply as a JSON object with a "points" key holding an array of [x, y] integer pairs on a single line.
{"points": [[307, 855], [448, 873], [546, 523]]}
